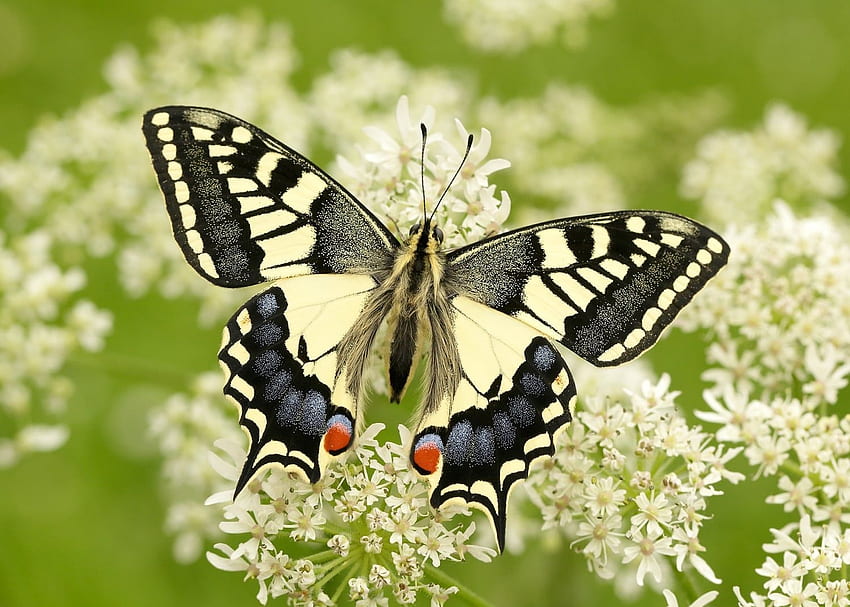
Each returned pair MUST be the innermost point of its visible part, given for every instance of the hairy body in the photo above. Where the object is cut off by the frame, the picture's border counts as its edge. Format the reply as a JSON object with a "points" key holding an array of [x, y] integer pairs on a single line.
{"points": [[412, 296]]}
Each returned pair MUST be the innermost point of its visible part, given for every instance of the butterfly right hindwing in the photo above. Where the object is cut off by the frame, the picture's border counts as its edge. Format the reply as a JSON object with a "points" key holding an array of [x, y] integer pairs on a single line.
{"points": [[515, 394], [281, 357]]}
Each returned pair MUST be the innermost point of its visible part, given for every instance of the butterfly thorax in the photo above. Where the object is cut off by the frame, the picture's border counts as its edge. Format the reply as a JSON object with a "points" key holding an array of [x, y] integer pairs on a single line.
{"points": [[416, 284]]}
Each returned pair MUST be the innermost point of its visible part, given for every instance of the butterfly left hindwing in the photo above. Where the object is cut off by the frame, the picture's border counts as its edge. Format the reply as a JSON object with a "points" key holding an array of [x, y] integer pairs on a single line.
{"points": [[280, 356]]}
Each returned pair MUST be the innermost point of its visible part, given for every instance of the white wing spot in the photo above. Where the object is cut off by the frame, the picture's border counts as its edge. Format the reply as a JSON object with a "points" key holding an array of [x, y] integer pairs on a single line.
{"points": [[681, 283], [650, 317], [633, 338], [247, 204], [485, 490], [638, 260], [300, 196], [647, 246], [539, 441], [556, 251], [289, 247], [165, 134], [714, 245], [612, 353], [704, 257], [181, 191], [207, 265], [693, 269], [666, 298], [673, 240], [636, 224], [242, 386], [561, 383], [266, 165], [614, 267], [160, 119], [241, 135], [202, 134], [598, 281], [193, 237], [553, 411], [258, 417], [175, 170], [223, 167], [268, 222], [601, 240], [238, 351], [169, 151], [580, 295], [275, 447], [187, 216], [509, 468], [216, 150], [240, 185]]}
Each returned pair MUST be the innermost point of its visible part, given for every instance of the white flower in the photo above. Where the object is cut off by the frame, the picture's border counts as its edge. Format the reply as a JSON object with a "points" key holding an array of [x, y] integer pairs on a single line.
{"points": [[793, 593], [795, 495], [701, 601], [648, 549], [779, 574]]}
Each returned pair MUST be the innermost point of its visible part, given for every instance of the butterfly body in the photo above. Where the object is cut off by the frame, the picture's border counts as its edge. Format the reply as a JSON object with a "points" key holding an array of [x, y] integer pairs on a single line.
{"points": [[246, 209]]}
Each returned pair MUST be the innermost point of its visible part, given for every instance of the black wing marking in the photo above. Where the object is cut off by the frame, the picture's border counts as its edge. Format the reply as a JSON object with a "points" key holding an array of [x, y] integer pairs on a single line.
{"points": [[280, 355], [604, 285], [246, 209], [514, 396]]}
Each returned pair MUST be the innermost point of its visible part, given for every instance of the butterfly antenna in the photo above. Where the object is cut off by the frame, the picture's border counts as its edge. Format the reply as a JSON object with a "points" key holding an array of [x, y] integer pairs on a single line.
{"points": [[424, 130], [457, 172]]}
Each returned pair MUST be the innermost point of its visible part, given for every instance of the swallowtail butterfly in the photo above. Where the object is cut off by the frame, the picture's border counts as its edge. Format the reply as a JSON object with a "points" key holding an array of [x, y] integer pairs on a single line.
{"points": [[246, 209]]}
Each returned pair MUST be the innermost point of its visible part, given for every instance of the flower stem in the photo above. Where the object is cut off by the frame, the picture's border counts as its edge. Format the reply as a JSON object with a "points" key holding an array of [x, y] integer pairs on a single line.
{"points": [[464, 593]]}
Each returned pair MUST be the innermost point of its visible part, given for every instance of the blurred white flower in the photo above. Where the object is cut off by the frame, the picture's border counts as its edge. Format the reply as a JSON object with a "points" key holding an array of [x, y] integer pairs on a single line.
{"points": [[507, 27], [738, 174], [43, 324]]}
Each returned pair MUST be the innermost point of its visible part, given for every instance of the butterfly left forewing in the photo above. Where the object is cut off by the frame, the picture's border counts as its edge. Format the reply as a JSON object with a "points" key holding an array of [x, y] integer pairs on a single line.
{"points": [[245, 208], [604, 285], [281, 355], [514, 395]]}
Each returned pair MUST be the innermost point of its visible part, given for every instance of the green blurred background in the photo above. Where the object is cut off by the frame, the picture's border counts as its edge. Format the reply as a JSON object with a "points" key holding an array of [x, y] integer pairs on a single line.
{"points": [[83, 526]]}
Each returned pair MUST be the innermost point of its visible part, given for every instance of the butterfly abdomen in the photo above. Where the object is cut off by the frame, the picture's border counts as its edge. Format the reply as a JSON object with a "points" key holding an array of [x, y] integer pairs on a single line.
{"points": [[416, 285]]}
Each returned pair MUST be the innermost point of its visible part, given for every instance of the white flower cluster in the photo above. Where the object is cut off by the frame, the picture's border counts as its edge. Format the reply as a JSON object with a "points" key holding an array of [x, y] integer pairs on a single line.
{"points": [[567, 145], [366, 528], [813, 568], [739, 173], [629, 485], [387, 178], [363, 89], [86, 179], [504, 26], [42, 324], [780, 356], [185, 427], [779, 313]]}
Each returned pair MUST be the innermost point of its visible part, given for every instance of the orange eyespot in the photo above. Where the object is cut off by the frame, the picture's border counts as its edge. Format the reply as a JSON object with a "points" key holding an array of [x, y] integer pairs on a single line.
{"points": [[338, 435], [427, 452]]}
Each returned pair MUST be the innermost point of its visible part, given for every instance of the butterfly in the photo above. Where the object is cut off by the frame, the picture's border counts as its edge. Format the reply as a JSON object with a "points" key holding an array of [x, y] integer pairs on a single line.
{"points": [[483, 319]]}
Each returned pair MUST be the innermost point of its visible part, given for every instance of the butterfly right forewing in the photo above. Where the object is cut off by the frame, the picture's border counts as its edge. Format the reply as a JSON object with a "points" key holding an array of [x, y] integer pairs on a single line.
{"points": [[603, 285]]}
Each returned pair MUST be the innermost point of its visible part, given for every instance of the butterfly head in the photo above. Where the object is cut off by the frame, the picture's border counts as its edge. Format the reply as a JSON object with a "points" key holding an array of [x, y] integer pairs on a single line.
{"points": [[425, 237]]}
